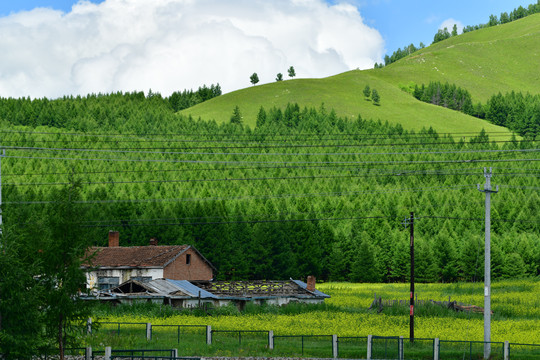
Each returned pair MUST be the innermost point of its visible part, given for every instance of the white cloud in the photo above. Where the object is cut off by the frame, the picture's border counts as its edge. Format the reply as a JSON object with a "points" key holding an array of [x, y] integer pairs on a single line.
{"points": [[169, 45], [449, 25]]}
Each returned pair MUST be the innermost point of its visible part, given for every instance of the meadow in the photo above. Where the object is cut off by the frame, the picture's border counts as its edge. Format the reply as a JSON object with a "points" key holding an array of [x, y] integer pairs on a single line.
{"points": [[515, 305]]}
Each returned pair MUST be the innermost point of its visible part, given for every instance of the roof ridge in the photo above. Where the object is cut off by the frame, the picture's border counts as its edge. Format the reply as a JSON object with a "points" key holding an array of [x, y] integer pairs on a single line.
{"points": [[160, 254]]}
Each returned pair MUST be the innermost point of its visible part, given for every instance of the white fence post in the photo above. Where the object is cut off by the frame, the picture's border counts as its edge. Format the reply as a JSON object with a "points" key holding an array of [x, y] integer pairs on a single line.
{"points": [[88, 354], [335, 346], [108, 353], [369, 338], [506, 350], [400, 348], [175, 353], [148, 331], [271, 339], [436, 349], [89, 326], [208, 335]]}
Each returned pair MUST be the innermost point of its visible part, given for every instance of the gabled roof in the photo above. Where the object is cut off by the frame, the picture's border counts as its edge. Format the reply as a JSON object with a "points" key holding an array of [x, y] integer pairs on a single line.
{"points": [[135, 256]]}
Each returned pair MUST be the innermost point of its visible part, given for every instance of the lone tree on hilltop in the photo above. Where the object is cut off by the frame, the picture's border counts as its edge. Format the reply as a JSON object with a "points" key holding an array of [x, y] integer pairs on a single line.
{"points": [[367, 92], [291, 72], [279, 77], [254, 79]]}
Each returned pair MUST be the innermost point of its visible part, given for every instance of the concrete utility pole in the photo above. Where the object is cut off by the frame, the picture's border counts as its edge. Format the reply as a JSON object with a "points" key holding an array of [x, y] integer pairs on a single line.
{"points": [[410, 222], [411, 325], [487, 264]]}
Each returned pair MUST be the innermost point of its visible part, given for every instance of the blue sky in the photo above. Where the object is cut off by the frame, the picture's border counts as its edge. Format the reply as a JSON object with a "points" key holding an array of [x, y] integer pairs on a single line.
{"points": [[52, 48]]}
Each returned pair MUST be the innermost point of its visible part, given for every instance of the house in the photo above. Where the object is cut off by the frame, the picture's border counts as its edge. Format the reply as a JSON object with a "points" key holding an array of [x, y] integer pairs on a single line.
{"points": [[111, 266], [189, 294]]}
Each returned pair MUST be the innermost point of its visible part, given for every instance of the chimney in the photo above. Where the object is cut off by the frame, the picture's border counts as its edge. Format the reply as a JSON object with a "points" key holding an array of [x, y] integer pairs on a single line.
{"points": [[310, 283], [114, 238], [153, 242]]}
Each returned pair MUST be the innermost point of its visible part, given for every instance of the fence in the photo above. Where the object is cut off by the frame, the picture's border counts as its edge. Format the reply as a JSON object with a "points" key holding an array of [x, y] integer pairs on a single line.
{"points": [[187, 333], [319, 346], [256, 342], [250, 338]]}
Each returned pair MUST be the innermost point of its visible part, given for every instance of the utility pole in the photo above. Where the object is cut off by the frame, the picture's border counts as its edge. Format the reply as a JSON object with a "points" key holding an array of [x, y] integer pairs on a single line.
{"points": [[410, 222], [487, 263], [411, 326]]}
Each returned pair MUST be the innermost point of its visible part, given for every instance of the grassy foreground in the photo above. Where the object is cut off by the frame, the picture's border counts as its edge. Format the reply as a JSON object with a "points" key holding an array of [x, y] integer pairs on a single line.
{"points": [[515, 304]]}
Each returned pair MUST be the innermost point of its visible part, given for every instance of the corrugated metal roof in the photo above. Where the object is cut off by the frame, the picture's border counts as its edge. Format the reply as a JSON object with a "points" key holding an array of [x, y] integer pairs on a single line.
{"points": [[303, 285], [164, 286], [190, 289]]}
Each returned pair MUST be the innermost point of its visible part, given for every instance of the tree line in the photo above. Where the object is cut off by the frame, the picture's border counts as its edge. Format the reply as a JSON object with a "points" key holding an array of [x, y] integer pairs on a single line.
{"points": [[516, 111], [505, 17], [443, 34]]}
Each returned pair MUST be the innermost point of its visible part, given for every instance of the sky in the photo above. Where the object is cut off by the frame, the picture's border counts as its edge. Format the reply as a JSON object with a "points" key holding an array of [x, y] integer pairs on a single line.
{"points": [[52, 48]]}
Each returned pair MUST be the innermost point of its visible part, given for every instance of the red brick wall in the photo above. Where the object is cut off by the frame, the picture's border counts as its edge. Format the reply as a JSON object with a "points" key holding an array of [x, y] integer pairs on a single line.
{"points": [[197, 269]]}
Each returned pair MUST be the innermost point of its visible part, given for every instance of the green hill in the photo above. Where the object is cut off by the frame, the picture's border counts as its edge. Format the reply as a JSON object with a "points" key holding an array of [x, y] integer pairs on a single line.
{"points": [[484, 62]]}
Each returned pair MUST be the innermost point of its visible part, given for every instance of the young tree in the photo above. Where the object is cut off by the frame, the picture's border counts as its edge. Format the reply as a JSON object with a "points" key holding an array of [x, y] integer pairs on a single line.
{"points": [[254, 78], [48, 253], [279, 77], [236, 117], [20, 296], [367, 92], [261, 117], [493, 21], [375, 97], [64, 247], [291, 72], [454, 30]]}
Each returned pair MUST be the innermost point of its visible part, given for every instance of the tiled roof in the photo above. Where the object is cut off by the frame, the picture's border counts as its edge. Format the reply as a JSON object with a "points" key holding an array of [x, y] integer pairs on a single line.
{"points": [[135, 256]]}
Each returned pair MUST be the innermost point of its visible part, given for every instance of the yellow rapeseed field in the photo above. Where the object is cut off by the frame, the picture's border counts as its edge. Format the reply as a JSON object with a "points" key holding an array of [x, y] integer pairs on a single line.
{"points": [[515, 303]]}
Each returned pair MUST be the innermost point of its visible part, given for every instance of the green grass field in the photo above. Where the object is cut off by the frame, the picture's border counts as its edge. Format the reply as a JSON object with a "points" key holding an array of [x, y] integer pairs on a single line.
{"points": [[472, 61]]}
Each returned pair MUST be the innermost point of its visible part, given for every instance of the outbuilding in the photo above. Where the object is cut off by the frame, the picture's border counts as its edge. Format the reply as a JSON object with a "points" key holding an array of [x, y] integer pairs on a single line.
{"points": [[108, 267]]}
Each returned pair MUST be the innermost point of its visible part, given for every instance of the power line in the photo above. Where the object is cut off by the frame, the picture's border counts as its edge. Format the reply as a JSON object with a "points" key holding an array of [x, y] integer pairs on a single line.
{"points": [[440, 152], [255, 134], [319, 167], [266, 143], [213, 180], [252, 197], [409, 162]]}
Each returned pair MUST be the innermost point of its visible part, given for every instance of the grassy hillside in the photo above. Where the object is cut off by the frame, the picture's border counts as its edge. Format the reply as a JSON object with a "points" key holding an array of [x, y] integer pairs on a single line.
{"points": [[472, 61]]}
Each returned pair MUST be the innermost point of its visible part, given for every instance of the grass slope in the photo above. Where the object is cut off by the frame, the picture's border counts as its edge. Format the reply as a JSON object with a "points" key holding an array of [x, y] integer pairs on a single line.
{"points": [[501, 58]]}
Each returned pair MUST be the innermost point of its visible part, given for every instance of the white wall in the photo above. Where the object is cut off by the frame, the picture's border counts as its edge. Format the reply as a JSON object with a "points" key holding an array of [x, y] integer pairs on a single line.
{"points": [[123, 275]]}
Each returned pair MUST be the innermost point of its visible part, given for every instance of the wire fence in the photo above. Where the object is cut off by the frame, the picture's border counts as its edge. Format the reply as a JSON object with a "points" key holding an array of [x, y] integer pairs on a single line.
{"points": [[245, 338], [204, 341], [319, 346], [179, 333]]}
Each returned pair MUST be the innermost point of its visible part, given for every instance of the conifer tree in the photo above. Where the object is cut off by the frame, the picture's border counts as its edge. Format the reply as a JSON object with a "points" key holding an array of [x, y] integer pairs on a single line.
{"points": [[367, 92], [375, 97]]}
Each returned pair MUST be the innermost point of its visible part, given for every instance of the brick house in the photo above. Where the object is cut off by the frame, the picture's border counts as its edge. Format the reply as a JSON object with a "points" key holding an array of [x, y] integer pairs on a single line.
{"points": [[110, 266]]}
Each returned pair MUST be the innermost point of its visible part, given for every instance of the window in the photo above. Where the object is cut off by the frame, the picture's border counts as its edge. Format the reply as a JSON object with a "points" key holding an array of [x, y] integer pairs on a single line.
{"points": [[188, 259], [105, 283], [143, 279]]}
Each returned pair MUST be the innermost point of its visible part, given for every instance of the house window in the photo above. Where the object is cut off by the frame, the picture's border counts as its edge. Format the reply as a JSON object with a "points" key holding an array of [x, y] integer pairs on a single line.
{"points": [[188, 259], [105, 283], [143, 279]]}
